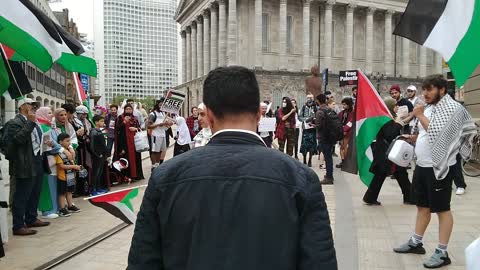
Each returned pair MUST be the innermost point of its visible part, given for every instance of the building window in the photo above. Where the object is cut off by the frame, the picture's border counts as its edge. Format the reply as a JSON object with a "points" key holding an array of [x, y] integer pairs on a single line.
{"points": [[265, 32], [289, 34]]}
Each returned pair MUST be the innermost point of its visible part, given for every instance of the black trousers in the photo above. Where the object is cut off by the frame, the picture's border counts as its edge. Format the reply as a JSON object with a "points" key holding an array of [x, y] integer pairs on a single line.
{"points": [[376, 185], [98, 168], [459, 180], [26, 196], [297, 134]]}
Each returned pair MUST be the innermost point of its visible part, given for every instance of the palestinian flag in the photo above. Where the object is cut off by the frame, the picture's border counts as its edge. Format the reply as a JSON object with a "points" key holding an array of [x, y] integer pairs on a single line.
{"points": [[82, 97], [371, 115], [13, 80], [33, 36], [175, 95], [450, 27], [117, 203]]}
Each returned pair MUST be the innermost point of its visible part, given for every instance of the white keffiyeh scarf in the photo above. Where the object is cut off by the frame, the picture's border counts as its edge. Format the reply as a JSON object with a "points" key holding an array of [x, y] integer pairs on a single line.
{"points": [[451, 130]]}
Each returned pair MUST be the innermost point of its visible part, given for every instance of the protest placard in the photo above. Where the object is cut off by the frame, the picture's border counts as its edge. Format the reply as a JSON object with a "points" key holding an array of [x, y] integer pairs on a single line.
{"points": [[173, 102], [267, 124]]}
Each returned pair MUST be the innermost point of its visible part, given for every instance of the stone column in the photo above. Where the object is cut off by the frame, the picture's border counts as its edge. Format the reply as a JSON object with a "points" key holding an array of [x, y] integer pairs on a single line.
{"points": [[438, 63], [282, 35], [423, 62], [349, 42], [222, 33], [369, 45], [328, 32], [199, 46], [306, 35], [232, 32], [189, 54], [214, 36], [194, 50], [258, 34], [388, 43], [406, 58], [183, 34], [206, 42]]}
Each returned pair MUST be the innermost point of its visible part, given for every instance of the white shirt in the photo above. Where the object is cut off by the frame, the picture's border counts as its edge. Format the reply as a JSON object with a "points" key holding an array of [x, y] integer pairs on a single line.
{"points": [[159, 131], [423, 149]]}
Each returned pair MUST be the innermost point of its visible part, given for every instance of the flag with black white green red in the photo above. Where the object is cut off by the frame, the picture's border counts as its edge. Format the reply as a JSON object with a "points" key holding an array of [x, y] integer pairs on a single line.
{"points": [[118, 203], [13, 80], [370, 116], [450, 27], [173, 102], [82, 96], [33, 36]]}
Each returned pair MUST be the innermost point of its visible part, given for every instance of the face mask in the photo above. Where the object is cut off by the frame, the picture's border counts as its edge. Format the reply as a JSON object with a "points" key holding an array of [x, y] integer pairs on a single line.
{"points": [[284, 105], [309, 101]]}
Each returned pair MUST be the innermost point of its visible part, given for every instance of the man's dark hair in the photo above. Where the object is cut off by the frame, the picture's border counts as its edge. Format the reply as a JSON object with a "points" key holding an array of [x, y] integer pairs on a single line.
{"points": [[156, 107], [114, 106], [97, 118], [327, 93], [194, 107], [231, 91], [70, 108], [436, 80], [130, 100], [354, 88], [62, 136], [322, 98], [349, 102]]}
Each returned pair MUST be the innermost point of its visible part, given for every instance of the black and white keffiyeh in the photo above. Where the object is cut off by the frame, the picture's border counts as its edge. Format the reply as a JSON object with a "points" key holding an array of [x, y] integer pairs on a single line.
{"points": [[451, 130]]}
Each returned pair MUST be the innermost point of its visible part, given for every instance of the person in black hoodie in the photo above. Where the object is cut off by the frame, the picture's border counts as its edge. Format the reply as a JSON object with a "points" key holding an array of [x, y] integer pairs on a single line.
{"points": [[100, 153], [382, 167]]}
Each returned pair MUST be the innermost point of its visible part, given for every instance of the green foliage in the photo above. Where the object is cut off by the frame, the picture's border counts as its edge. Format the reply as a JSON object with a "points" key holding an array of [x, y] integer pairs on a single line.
{"points": [[147, 103]]}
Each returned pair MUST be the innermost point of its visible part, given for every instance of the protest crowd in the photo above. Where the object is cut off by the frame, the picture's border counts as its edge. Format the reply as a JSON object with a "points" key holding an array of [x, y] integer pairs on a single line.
{"points": [[58, 155]]}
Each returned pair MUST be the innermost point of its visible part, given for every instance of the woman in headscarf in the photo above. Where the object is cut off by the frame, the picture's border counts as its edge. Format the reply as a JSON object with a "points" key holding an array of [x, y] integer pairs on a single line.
{"points": [[286, 123], [382, 167], [346, 118], [125, 129], [309, 135], [183, 140], [203, 137], [48, 196]]}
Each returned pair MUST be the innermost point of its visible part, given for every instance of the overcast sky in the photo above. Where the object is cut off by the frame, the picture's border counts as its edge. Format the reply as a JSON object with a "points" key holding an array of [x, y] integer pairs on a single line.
{"points": [[81, 11]]}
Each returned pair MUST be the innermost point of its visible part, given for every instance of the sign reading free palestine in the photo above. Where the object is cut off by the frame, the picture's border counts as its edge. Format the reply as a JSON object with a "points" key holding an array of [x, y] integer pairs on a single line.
{"points": [[173, 102]]}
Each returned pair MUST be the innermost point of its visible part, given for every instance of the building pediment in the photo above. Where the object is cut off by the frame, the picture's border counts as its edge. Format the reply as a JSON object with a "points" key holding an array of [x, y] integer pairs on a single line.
{"points": [[183, 5]]}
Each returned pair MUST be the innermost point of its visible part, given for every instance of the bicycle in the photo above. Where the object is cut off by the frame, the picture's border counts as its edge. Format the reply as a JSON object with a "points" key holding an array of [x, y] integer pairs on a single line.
{"points": [[472, 166]]}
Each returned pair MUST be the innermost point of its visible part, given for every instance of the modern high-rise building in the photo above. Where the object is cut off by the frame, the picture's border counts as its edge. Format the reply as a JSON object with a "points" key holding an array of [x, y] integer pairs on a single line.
{"points": [[135, 47]]}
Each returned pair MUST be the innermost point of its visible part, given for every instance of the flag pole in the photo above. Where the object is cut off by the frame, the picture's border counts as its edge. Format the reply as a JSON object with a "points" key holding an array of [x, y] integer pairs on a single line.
{"points": [[7, 63], [113, 192]]}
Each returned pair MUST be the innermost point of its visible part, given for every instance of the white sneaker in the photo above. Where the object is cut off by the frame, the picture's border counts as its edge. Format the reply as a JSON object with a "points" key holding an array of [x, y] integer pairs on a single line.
{"points": [[460, 191], [50, 216]]}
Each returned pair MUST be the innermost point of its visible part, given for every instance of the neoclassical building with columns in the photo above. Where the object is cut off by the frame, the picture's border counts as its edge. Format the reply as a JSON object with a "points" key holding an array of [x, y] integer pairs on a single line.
{"points": [[282, 39]]}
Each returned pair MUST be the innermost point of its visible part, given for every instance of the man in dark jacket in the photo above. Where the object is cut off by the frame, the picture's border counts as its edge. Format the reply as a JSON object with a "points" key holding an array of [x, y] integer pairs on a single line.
{"points": [[325, 144], [25, 166], [233, 204]]}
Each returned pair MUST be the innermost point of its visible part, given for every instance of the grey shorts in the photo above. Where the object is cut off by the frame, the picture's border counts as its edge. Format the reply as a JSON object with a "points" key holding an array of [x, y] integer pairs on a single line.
{"points": [[159, 144]]}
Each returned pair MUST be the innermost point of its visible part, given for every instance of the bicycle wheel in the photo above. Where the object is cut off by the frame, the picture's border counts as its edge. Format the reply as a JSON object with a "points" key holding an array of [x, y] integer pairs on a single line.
{"points": [[471, 168]]}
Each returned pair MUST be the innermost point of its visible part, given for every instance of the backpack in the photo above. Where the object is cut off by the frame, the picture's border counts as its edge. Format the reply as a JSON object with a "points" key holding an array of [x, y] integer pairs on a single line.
{"points": [[333, 126], [4, 140]]}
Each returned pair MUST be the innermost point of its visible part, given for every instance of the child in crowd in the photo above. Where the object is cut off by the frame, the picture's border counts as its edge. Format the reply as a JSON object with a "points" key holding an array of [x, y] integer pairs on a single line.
{"points": [[66, 177], [100, 153]]}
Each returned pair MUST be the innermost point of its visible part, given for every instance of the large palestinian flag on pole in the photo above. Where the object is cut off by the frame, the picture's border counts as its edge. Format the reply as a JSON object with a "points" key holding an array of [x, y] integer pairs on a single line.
{"points": [[371, 115], [13, 80], [450, 27], [33, 36], [117, 203]]}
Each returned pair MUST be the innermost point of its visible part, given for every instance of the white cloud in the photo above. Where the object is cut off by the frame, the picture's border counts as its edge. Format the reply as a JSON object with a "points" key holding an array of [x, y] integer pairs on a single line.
{"points": [[81, 11]]}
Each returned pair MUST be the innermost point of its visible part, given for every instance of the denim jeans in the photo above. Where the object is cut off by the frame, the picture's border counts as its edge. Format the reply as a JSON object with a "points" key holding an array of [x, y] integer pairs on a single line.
{"points": [[326, 150]]}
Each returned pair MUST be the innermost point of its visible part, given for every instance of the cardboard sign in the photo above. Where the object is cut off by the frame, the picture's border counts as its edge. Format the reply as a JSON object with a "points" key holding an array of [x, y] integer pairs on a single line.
{"points": [[267, 124], [173, 102], [348, 77]]}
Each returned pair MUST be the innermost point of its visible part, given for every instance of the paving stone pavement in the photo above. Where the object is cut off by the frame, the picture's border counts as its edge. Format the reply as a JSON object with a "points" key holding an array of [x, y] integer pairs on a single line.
{"points": [[370, 236]]}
